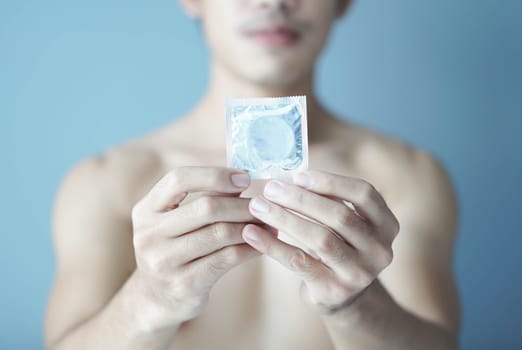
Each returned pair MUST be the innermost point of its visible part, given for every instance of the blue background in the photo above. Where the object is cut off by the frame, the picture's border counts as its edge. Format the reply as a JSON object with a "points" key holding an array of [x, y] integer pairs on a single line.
{"points": [[77, 77]]}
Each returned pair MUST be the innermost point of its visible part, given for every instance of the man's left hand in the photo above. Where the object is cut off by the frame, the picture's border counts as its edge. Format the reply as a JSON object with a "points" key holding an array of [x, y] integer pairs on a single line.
{"points": [[342, 228]]}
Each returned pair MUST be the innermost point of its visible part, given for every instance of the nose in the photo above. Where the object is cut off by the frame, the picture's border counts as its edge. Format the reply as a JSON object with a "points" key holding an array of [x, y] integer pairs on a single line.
{"points": [[285, 6]]}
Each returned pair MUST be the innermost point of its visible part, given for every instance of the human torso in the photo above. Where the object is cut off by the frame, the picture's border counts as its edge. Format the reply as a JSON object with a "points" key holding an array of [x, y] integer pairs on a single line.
{"points": [[257, 305]]}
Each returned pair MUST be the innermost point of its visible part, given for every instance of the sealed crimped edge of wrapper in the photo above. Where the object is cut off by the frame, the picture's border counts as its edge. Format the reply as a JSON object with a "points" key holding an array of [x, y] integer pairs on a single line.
{"points": [[267, 137]]}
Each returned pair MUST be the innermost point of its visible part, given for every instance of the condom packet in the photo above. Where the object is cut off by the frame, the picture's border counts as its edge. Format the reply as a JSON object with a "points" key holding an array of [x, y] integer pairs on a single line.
{"points": [[267, 137]]}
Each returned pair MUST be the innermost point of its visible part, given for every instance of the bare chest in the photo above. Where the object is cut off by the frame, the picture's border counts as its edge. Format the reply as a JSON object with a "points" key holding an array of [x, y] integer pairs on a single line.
{"points": [[255, 306]]}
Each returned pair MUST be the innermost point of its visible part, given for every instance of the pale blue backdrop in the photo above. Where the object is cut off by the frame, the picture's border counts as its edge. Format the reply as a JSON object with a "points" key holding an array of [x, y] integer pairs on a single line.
{"points": [[79, 76]]}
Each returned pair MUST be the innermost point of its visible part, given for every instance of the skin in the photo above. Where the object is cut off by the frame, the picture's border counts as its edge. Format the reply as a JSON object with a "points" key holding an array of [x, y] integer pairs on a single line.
{"points": [[159, 246]]}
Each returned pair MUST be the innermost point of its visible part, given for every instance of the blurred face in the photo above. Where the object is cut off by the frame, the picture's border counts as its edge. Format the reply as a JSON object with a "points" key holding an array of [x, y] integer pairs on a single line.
{"points": [[267, 42]]}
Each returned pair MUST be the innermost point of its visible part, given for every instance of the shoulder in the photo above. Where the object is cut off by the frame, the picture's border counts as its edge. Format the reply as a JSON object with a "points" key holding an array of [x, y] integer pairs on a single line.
{"points": [[114, 179], [428, 206], [418, 180], [402, 169], [414, 182]]}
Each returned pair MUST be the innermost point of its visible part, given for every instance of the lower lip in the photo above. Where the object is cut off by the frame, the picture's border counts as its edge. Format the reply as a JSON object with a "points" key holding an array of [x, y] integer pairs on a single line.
{"points": [[275, 38]]}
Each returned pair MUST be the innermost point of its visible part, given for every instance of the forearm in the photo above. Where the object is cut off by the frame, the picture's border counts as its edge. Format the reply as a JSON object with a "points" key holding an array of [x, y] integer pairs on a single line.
{"points": [[127, 322], [376, 321]]}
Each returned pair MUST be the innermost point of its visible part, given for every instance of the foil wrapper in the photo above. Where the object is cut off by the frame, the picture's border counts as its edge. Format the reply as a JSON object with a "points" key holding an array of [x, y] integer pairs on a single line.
{"points": [[267, 137]]}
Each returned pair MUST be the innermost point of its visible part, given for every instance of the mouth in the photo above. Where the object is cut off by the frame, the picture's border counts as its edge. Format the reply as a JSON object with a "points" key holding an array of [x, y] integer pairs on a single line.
{"points": [[274, 37]]}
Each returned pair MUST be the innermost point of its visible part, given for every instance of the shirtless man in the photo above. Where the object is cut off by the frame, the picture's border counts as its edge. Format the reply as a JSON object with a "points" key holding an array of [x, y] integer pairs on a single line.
{"points": [[160, 246]]}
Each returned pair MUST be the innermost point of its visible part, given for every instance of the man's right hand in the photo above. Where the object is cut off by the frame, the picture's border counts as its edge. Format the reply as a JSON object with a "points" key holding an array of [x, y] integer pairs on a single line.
{"points": [[182, 250]]}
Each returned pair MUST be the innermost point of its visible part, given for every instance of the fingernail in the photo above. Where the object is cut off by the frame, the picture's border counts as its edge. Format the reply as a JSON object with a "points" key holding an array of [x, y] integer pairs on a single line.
{"points": [[241, 180], [259, 205], [251, 234], [303, 179], [274, 189]]}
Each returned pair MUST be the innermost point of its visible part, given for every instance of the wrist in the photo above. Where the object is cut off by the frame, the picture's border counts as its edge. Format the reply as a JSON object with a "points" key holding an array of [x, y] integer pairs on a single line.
{"points": [[147, 312], [364, 307]]}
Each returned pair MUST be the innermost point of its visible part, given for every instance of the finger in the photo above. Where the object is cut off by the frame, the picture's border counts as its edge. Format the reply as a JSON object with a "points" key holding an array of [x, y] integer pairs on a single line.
{"points": [[202, 212], [329, 212], [324, 244], [166, 194], [205, 241], [365, 198], [293, 258], [209, 269]]}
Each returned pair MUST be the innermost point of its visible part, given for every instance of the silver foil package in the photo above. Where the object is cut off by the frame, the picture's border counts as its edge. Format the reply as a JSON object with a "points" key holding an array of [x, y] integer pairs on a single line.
{"points": [[267, 137]]}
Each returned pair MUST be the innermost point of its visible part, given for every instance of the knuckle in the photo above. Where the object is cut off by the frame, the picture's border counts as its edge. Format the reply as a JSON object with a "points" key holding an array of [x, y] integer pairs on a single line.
{"points": [[339, 254], [330, 184], [220, 176], [206, 205], [136, 211], [224, 261], [396, 225], [299, 261], [147, 237], [137, 242], [216, 231], [343, 216], [173, 177], [326, 243], [383, 254], [386, 254], [358, 278], [366, 191], [138, 215], [222, 231], [363, 277], [141, 242]]}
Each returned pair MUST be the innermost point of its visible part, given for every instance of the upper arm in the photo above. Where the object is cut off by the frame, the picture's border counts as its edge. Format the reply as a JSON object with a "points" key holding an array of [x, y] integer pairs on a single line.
{"points": [[420, 277], [93, 247]]}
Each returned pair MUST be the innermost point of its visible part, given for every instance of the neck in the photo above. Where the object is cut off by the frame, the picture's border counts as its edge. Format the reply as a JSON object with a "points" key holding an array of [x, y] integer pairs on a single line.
{"points": [[223, 84]]}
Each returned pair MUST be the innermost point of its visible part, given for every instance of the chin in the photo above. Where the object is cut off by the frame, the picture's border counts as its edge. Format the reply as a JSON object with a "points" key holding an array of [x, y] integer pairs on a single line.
{"points": [[278, 82], [278, 78]]}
